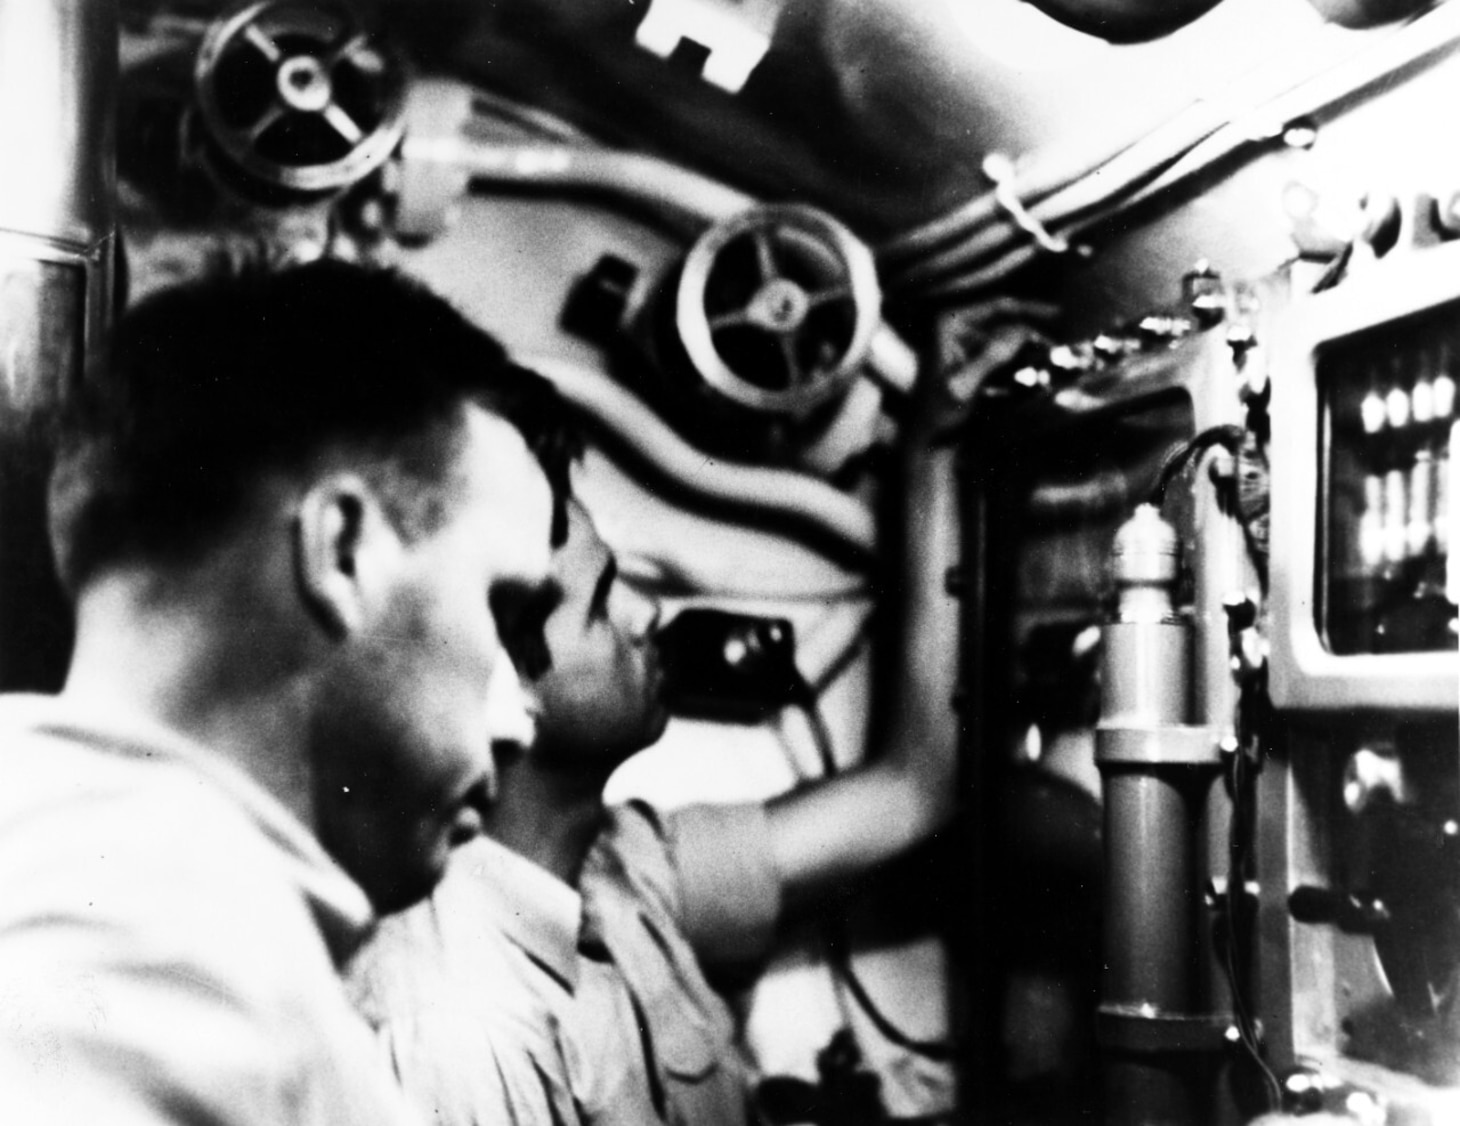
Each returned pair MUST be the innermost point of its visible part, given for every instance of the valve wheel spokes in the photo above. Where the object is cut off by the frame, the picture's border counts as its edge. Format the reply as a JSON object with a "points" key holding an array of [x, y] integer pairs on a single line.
{"points": [[343, 123], [327, 109], [776, 307], [732, 318], [795, 376], [764, 256], [273, 113], [817, 297], [265, 46], [351, 45]]}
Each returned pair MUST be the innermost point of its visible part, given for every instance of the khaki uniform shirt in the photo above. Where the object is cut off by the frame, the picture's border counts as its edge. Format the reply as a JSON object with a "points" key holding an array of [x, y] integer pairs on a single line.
{"points": [[508, 998], [169, 937]]}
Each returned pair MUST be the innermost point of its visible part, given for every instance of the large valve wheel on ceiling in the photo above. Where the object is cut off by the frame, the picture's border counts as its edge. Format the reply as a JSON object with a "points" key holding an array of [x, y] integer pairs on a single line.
{"points": [[298, 97], [777, 307]]}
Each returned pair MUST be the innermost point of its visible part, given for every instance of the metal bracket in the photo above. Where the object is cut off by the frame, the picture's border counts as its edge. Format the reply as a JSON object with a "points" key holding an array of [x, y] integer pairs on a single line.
{"points": [[733, 36], [1156, 746], [1146, 1030], [1000, 170]]}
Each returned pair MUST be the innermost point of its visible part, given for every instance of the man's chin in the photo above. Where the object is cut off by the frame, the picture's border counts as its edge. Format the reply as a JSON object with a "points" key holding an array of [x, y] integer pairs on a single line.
{"points": [[398, 887], [399, 894]]}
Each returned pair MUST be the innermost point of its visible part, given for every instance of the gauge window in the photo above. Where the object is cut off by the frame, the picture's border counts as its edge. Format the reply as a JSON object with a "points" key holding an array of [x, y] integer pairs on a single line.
{"points": [[1386, 582]]}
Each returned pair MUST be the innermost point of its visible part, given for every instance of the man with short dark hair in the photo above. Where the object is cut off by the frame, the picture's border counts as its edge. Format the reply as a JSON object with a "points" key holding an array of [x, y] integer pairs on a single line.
{"points": [[294, 513], [555, 975]]}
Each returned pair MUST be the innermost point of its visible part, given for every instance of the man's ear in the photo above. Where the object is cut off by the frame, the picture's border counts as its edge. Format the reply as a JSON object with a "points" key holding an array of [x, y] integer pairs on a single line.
{"points": [[343, 540]]}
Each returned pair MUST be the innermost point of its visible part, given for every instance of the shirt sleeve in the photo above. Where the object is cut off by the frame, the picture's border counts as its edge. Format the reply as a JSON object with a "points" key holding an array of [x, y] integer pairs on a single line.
{"points": [[729, 891]]}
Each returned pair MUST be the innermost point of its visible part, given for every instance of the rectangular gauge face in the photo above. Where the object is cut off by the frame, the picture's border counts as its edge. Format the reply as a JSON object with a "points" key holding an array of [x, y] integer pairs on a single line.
{"points": [[1385, 581]]}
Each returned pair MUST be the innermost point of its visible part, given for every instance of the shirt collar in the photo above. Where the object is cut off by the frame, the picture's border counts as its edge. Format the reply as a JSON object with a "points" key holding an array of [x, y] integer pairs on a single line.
{"points": [[536, 911], [339, 906]]}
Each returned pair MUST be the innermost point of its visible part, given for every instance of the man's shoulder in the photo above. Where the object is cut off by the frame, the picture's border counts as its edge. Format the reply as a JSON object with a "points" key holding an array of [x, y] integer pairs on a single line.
{"points": [[134, 863], [634, 825], [141, 905], [470, 1020], [634, 851], [705, 869], [485, 949], [75, 803]]}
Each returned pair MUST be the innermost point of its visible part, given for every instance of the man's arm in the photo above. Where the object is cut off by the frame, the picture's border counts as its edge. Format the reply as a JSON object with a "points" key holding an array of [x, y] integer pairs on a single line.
{"points": [[825, 833]]}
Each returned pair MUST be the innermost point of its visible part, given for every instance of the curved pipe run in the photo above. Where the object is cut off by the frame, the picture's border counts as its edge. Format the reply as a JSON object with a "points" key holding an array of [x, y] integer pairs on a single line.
{"points": [[683, 198], [795, 496]]}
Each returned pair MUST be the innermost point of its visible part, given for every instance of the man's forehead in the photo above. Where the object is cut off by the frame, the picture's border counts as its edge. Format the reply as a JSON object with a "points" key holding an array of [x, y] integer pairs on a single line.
{"points": [[511, 494]]}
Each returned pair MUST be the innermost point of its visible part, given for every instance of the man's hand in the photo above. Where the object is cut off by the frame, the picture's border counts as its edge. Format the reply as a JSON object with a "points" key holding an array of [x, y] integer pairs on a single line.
{"points": [[905, 791]]}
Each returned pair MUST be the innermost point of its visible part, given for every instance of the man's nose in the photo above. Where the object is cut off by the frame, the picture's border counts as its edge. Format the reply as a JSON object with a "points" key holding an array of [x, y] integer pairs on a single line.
{"points": [[645, 616], [511, 709]]}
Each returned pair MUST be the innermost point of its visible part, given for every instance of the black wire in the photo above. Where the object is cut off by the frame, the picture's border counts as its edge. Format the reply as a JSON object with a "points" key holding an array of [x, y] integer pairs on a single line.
{"points": [[841, 963], [843, 660], [805, 697], [1229, 437], [1334, 272], [1239, 827]]}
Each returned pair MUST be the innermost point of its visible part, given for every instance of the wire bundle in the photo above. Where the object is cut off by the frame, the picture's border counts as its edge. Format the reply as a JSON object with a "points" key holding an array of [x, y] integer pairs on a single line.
{"points": [[991, 236]]}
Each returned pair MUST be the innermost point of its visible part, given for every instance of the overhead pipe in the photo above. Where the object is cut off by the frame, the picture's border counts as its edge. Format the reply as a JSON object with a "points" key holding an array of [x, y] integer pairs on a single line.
{"points": [[795, 497], [976, 246]]}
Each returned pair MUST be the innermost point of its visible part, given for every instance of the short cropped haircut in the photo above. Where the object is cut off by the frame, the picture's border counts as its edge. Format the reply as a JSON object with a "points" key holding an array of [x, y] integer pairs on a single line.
{"points": [[208, 386]]}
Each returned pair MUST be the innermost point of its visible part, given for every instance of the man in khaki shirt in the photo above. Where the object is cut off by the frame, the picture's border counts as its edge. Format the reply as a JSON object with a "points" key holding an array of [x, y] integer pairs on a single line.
{"points": [[292, 512], [555, 975]]}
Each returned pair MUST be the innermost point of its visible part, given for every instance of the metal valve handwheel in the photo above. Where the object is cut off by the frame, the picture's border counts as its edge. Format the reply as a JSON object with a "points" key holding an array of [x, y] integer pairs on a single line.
{"points": [[777, 307], [296, 94]]}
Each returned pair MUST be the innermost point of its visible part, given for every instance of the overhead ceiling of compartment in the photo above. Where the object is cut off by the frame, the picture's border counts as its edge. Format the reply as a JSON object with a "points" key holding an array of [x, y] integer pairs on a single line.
{"points": [[880, 110], [886, 114]]}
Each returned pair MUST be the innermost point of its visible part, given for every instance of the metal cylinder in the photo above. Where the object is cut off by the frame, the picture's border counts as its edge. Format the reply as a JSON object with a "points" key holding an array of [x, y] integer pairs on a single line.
{"points": [[1150, 915], [1155, 768], [1144, 679], [58, 83]]}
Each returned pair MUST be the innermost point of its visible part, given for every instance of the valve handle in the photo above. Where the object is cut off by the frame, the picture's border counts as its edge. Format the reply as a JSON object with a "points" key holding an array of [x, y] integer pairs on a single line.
{"points": [[298, 96], [777, 307]]}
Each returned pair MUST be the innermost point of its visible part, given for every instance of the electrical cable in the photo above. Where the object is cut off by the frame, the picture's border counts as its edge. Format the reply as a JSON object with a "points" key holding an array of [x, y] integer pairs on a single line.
{"points": [[834, 940], [843, 658], [1239, 832], [1181, 147], [1207, 133], [1176, 461], [805, 700], [1038, 184], [1250, 498], [940, 1051], [1101, 185]]}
